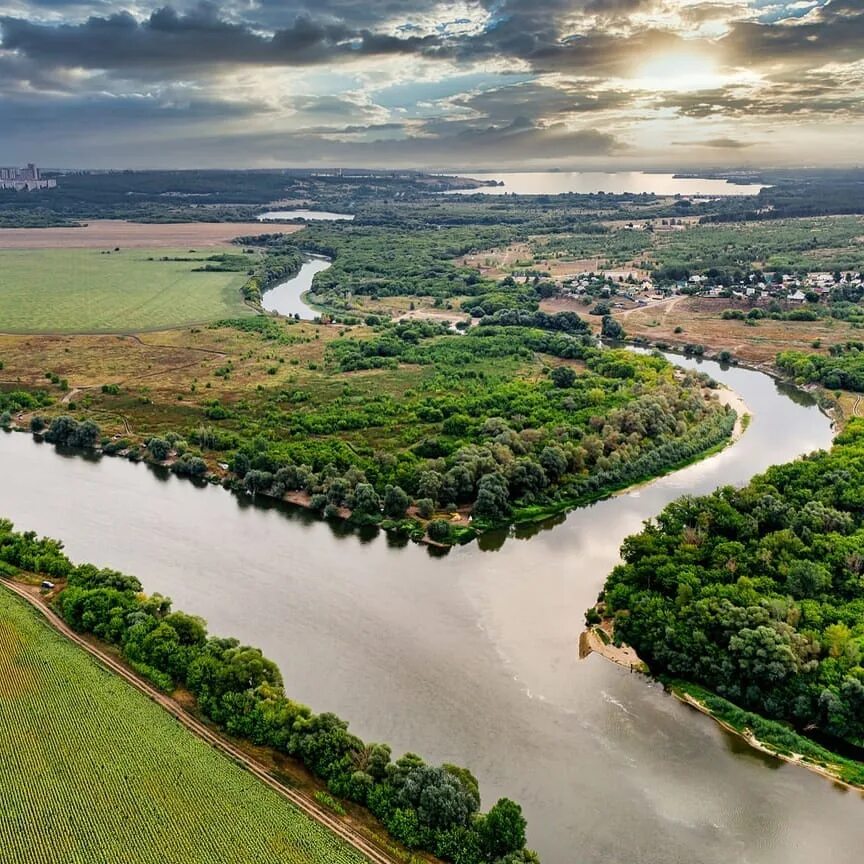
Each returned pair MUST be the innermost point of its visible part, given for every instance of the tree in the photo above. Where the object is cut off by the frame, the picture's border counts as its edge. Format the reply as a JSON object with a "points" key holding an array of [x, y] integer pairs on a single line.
{"points": [[611, 329], [158, 448], [493, 498], [439, 798], [425, 507], [807, 579], [563, 377], [503, 829], [366, 500], [439, 530], [396, 502]]}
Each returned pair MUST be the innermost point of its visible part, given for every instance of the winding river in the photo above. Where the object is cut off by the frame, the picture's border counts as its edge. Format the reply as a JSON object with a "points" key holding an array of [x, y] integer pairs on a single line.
{"points": [[472, 658], [286, 298]]}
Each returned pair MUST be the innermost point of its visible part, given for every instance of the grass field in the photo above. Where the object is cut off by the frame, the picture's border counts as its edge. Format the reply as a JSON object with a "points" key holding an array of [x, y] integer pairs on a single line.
{"points": [[94, 772], [86, 291]]}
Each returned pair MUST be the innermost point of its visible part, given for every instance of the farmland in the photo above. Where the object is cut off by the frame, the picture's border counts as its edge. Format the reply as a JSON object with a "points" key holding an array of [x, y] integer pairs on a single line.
{"points": [[95, 772], [90, 291], [108, 233]]}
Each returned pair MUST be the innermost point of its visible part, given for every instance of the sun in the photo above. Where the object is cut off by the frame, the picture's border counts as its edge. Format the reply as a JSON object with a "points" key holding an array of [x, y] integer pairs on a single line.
{"points": [[677, 72]]}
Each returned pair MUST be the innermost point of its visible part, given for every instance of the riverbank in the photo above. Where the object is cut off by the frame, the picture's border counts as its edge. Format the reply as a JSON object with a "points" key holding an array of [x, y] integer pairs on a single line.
{"points": [[761, 734], [770, 737], [292, 782]]}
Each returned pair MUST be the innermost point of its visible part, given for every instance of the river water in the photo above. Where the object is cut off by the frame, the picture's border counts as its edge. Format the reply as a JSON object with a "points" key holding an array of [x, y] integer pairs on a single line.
{"points": [[614, 182], [306, 215], [286, 297], [471, 658]]}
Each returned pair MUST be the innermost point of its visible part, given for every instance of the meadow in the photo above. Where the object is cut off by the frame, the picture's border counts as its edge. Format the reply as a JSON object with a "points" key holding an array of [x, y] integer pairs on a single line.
{"points": [[93, 291], [94, 772]]}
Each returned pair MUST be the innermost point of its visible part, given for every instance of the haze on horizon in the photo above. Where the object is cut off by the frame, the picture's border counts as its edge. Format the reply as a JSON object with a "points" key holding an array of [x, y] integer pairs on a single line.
{"points": [[583, 84]]}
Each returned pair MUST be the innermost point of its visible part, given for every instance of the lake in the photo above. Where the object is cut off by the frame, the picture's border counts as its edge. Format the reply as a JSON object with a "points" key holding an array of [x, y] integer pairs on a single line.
{"points": [[616, 183], [472, 658]]}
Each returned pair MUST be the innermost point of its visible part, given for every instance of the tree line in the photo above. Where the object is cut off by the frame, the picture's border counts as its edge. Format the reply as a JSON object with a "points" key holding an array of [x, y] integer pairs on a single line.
{"points": [[426, 807]]}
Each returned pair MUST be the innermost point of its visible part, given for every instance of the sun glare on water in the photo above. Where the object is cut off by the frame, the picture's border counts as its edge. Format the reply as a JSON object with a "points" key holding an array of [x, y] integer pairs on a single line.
{"points": [[678, 72]]}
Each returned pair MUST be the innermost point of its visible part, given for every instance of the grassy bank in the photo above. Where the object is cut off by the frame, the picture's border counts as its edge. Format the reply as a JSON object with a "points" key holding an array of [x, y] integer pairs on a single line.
{"points": [[769, 735]]}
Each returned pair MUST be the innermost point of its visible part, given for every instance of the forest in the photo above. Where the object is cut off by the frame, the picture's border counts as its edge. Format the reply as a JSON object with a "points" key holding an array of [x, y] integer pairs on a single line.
{"points": [[758, 593], [843, 369], [426, 807]]}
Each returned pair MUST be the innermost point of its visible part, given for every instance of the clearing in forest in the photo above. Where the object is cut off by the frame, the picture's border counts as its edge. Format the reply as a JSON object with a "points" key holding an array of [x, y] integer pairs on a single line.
{"points": [[94, 772]]}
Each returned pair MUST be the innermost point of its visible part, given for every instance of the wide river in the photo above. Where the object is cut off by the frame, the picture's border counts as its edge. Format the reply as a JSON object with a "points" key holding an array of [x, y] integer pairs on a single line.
{"points": [[472, 658], [614, 182]]}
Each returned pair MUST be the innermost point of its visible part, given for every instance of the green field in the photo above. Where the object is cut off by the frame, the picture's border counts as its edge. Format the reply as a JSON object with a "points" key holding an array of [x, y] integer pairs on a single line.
{"points": [[94, 772], [88, 291]]}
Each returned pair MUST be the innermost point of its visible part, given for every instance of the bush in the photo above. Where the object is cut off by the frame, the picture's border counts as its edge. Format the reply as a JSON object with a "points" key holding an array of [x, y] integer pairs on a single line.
{"points": [[439, 530]]}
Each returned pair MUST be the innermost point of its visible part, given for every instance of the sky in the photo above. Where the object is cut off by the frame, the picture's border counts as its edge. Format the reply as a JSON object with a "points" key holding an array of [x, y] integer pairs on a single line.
{"points": [[519, 84]]}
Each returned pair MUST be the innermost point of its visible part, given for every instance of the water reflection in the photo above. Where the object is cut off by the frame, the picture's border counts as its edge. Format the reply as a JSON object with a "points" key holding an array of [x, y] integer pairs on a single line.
{"points": [[470, 657]]}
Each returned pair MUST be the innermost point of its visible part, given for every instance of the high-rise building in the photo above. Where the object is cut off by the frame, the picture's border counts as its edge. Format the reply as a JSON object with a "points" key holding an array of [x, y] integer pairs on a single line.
{"points": [[24, 179]]}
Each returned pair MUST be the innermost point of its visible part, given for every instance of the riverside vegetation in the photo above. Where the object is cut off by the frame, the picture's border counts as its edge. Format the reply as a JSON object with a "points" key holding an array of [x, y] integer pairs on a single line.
{"points": [[521, 417], [432, 808], [173, 798], [758, 595]]}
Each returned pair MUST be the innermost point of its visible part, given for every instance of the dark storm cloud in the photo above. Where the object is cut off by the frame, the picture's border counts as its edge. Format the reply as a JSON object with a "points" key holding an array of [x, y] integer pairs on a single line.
{"points": [[195, 38], [832, 33]]}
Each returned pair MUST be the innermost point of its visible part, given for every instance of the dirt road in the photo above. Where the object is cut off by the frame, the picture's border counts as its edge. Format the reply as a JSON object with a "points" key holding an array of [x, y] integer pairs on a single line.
{"points": [[301, 801]]}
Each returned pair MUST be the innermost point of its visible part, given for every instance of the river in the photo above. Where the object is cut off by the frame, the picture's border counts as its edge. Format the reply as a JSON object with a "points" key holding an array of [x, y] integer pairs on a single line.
{"points": [[472, 658], [305, 216], [286, 297], [613, 183]]}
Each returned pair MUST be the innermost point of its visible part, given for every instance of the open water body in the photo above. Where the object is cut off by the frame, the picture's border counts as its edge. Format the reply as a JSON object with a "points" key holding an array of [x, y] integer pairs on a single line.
{"points": [[307, 215], [616, 182], [472, 658]]}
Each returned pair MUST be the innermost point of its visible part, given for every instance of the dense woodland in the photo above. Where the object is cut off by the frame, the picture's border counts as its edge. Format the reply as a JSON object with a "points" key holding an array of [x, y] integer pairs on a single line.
{"points": [[758, 593], [434, 808], [842, 370]]}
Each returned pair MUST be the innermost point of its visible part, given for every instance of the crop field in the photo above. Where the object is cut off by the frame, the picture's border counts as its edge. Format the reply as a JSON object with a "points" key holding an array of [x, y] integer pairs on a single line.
{"points": [[90, 291], [108, 233], [95, 773]]}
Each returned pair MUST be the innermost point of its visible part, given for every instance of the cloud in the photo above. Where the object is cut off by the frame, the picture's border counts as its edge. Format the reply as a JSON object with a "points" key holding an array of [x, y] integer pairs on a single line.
{"points": [[195, 38], [717, 143], [414, 81]]}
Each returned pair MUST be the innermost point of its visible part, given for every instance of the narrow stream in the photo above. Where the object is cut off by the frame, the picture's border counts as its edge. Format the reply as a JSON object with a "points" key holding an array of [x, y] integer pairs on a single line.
{"points": [[472, 658]]}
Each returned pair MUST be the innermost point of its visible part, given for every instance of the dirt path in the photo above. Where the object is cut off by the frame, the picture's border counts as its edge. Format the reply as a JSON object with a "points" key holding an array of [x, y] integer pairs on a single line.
{"points": [[668, 305], [300, 800]]}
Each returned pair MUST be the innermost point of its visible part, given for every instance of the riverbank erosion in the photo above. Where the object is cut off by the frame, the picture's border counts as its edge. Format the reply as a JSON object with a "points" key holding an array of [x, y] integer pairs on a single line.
{"points": [[772, 738]]}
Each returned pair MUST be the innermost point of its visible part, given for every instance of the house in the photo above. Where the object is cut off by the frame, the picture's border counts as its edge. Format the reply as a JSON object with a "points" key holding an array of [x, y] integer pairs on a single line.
{"points": [[797, 297]]}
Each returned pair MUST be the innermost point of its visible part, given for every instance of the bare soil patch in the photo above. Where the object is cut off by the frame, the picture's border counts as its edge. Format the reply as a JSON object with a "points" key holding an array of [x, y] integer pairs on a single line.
{"points": [[110, 233]]}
